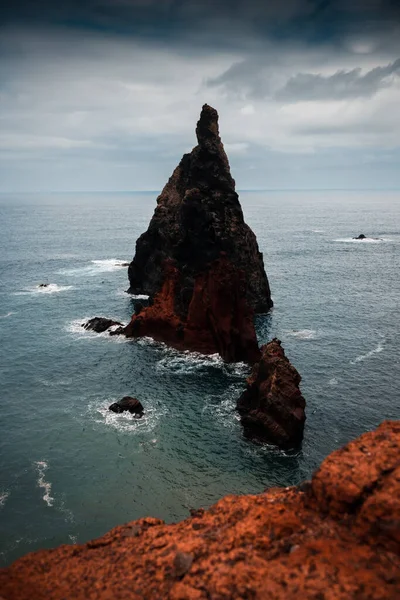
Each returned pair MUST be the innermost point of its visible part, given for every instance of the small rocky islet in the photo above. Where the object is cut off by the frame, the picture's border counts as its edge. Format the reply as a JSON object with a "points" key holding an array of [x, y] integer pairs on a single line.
{"points": [[200, 264], [334, 537]]}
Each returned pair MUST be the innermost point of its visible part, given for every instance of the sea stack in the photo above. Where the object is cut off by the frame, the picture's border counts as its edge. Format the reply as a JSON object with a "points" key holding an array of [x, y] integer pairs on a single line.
{"points": [[199, 261], [272, 407]]}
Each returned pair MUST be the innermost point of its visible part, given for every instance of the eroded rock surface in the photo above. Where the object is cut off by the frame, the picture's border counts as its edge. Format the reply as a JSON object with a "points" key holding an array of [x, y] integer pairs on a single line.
{"points": [[335, 538], [133, 405], [198, 216], [196, 232], [100, 324], [272, 407], [218, 318]]}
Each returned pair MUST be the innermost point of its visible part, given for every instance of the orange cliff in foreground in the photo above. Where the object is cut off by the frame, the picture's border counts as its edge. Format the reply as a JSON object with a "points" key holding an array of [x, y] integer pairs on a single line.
{"points": [[337, 537]]}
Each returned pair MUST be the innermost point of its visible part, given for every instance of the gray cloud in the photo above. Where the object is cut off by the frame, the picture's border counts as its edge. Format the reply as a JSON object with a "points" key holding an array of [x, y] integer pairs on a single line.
{"points": [[339, 86]]}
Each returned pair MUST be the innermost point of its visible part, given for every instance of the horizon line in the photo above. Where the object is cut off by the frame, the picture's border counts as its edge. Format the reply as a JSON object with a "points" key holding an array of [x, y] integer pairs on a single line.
{"points": [[158, 191]]}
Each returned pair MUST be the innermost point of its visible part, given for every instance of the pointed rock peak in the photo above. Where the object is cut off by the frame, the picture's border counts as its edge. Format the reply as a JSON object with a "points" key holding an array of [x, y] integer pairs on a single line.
{"points": [[207, 125]]}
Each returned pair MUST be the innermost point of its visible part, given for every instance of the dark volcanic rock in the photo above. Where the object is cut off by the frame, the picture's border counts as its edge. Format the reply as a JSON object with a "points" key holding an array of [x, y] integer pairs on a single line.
{"points": [[43, 285], [198, 216], [272, 407], [199, 261], [218, 318], [100, 324], [128, 403], [360, 237]]}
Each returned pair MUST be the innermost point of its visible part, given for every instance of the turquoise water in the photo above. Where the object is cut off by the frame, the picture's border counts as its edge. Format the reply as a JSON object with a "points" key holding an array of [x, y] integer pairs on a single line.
{"points": [[70, 470]]}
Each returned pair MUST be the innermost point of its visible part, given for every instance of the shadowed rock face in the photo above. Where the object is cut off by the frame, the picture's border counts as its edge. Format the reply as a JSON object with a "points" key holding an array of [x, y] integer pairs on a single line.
{"points": [[218, 319], [199, 261], [335, 538], [100, 324], [198, 216], [272, 407]]}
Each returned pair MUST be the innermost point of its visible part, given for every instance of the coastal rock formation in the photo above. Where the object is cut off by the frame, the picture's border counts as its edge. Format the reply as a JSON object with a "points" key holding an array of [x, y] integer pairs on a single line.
{"points": [[334, 538], [196, 244], [218, 318], [198, 216], [360, 237], [272, 407], [128, 403], [100, 324]]}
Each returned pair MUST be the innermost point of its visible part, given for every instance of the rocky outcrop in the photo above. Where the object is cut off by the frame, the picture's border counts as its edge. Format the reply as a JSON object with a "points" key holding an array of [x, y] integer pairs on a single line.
{"points": [[130, 404], [360, 237], [272, 407], [218, 318], [100, 324], [198, 216], [198, 230], [335, 538]]}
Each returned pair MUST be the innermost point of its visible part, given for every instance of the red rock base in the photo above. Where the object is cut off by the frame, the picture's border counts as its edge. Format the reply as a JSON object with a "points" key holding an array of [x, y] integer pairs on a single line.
{"points": [[336, 538]]}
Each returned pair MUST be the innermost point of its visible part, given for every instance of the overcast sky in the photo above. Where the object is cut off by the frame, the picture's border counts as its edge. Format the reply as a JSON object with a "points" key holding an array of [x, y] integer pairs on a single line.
{"points": [[105, 94]]}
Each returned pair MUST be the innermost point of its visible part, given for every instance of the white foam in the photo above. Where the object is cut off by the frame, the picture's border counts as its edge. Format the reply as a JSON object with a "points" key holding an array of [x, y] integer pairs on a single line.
{"points": [[51, 288], [95, 267], [7, 315], [139, 296], [318, 230], [362, 357], [3, 498], [79, 332], [124, 422], [333, 381], [364, 241], [42, 466], [73, 538], [188, 362], [302, 334]]}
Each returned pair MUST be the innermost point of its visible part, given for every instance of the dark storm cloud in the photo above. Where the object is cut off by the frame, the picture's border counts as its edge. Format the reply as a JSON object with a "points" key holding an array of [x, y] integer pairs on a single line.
{"points": [[313, 20], [340, 85]]}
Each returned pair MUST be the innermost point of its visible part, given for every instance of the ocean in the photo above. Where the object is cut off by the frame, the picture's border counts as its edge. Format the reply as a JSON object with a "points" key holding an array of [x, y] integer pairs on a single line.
{"points": [[70, 469]]}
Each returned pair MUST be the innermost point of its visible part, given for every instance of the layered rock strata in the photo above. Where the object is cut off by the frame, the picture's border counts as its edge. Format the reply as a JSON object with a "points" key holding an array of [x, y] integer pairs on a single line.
{"points": [[197, 244], [272, 407], [335, 538]]}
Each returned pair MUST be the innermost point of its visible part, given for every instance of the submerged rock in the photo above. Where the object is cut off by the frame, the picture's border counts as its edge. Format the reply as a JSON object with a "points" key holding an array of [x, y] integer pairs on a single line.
{"points": [[128, 403], [272, 407], [100, 324], [336, 537], [199, 252], [360, 237]]}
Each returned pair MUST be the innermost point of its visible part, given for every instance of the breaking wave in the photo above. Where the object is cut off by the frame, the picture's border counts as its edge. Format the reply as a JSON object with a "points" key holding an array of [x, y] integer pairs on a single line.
{"points": [[49, 288], [302, 334], [79, 332], [3, 498], [41, 467], [95, 267], [362, 357], [124, 422], [364, 241]]}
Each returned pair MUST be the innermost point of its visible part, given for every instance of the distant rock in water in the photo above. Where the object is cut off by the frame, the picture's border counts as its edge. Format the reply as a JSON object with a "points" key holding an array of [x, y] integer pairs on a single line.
{"points": [[198, 260], [360, 237], [100, 324], [272, 407], [128, 403], [43, 285]]}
